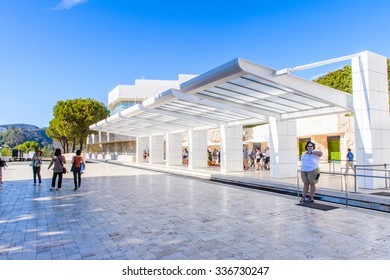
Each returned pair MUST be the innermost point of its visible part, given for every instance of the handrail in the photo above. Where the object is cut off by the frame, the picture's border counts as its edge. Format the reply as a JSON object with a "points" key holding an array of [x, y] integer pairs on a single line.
{"points": [[333, 161], [345, 175]]}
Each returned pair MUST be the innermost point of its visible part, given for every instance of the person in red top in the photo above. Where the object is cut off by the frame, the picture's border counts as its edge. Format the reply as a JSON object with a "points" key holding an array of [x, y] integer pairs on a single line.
{"points": [[77, 162]]}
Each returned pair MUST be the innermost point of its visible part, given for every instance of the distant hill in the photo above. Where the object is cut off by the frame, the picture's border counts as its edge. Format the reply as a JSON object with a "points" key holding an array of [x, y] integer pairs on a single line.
{"points": [[15, 134], [28, 127]]}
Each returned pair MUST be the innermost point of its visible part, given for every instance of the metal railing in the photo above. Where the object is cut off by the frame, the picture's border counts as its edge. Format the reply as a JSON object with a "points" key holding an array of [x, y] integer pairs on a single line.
{"points": [[332, 164], [345, 187]]}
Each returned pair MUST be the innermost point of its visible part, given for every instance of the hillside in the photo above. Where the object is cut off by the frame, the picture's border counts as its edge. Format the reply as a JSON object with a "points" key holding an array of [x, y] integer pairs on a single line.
{"points": [[12, 135], [28, 127]]}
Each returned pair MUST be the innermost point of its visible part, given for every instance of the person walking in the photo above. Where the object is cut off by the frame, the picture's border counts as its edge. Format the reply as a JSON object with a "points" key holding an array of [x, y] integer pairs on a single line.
{"points": [[267, 158], [310, 171], [258, 158], [58, 161], [3, 164], [245, 158], [253, 157], [77, 163], [349, 163], [36, 163]]}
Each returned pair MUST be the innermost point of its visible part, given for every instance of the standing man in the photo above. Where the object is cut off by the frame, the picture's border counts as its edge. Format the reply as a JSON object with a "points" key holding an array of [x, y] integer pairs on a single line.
{"points": [[2, 164], [245, 158], [253, 156], [349, 164]]}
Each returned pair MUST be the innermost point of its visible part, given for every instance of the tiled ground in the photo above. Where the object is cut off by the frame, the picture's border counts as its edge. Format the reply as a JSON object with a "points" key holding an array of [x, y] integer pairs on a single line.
{"points": [[126, 213]]}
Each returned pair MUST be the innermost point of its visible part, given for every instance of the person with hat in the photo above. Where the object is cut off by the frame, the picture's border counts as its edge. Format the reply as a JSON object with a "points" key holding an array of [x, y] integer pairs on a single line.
{"points": [[36, 163]]}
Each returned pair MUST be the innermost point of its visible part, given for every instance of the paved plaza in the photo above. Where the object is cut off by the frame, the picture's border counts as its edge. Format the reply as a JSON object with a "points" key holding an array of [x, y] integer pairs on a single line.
{"points": [[125, 213]]}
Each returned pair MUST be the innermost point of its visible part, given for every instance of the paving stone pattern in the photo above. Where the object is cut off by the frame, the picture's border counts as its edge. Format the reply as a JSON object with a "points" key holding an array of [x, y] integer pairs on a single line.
{"points": [[126, 213]]}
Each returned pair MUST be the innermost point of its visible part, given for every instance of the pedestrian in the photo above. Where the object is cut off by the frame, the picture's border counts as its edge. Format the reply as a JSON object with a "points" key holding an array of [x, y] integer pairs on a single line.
{"points": [[215, 156], [185, 157], [253, 157], [258, 158], [310, 171], [245, 158], [36, 163], [3, 164], [77, 164], [349, 164], [58, 160], [267, 158]]}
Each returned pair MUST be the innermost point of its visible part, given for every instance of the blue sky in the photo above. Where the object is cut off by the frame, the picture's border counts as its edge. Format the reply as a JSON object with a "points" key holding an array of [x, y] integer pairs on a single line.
{"points": [[54, 50]]}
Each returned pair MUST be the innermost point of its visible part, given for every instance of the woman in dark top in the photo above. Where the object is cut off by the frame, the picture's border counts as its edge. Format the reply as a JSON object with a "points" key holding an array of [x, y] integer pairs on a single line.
{"points": [[58, 160]]}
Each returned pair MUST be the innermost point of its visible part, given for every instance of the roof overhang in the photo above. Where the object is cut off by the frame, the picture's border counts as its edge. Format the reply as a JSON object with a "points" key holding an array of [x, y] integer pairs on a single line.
{"points": [[237, 93]]}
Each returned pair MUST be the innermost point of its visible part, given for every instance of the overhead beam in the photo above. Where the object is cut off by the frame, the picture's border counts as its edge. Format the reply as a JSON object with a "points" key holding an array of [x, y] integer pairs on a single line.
{"points": [[196, 120], [225, 105], [313, 112], [155, 122]]}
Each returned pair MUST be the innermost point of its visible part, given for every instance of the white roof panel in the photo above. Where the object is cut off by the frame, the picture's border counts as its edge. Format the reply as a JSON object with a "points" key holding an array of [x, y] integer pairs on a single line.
{"points": [[235, 93]]}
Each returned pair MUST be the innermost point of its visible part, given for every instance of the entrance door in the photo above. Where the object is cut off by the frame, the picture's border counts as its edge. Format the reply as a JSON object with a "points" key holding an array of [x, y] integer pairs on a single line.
{"points": [[334, 148], [302, 144]]}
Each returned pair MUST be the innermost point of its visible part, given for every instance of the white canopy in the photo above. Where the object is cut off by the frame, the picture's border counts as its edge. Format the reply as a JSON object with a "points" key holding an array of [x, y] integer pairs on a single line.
{"points": [[237, 93]]}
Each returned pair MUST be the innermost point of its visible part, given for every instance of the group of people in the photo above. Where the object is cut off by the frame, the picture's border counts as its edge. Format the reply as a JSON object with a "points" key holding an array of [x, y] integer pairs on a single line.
{"points": [[310, 171], [146, 155], [58, 162], [257, 158], [214, 156]]}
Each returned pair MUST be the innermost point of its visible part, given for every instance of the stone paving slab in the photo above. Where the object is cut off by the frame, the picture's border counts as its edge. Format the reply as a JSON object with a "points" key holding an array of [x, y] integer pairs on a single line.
{"points": [[126, 213]]}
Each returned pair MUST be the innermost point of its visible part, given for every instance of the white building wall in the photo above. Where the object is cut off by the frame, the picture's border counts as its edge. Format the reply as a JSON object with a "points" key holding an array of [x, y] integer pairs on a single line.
{"points": [[174, 149], [372, 121], [197, 144], [231, 149], [143, 88], [283, 148], [156, 144]]}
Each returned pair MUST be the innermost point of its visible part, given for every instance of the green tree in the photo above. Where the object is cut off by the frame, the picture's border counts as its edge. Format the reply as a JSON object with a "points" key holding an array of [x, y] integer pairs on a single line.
{"points": [[72, 119], [6, 151], [48, 151], [57, 131], [342, 79], [28, 146]]}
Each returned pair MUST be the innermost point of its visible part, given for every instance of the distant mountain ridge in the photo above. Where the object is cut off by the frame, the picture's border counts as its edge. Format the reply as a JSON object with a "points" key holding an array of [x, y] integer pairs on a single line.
{"points": [[12, 135], [28, 127]]}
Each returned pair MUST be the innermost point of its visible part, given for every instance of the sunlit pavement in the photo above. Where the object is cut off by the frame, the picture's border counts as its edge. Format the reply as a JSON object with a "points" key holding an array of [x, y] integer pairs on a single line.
{"points": [[126, 213]]}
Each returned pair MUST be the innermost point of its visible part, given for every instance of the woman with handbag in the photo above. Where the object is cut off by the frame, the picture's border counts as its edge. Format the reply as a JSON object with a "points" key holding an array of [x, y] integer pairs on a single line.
{"points": [[77, 163], [58, 160]]}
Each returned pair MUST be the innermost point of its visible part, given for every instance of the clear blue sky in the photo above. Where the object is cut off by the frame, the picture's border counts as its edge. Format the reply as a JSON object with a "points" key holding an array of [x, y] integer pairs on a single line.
{"points": [[54, 50]]}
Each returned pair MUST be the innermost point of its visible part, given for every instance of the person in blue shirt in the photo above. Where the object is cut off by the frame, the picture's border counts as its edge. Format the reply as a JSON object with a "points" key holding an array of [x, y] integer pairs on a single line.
{"points": [[310, 171], [245, 158], [350, 157]]}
